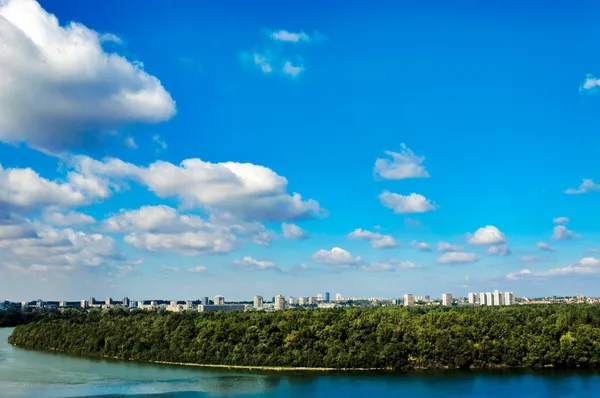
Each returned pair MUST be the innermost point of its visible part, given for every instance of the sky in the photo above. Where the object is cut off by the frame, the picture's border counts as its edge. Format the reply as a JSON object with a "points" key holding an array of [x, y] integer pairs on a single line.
{"points": [[188, 149]]}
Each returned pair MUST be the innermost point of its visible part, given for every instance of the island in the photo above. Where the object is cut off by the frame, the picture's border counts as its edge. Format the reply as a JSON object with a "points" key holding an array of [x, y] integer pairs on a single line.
{"points": [[393, 338]]}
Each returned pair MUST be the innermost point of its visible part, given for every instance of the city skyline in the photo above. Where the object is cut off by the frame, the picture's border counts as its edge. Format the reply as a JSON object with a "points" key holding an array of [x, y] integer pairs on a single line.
{"points": [[297, 150]]}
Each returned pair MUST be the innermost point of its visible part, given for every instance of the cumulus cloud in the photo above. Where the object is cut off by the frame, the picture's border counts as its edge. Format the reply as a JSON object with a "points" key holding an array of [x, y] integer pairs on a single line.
{"points": [[562, 233], [457, 258], [246, 190], [336, 256], [61, 249], [262, 62], [447, 247], [71, 218], [423, 246], [293, 232], [291, 69], [24, 188], [284, 35], [14, 226], [60, 91], [401, 204], [377, 240], [585, 187], [544, 246], [252, 264], [560, 220], [590, 83], [498, 250], [401, 165], [585, 266], [487, 235], [163, 229]]}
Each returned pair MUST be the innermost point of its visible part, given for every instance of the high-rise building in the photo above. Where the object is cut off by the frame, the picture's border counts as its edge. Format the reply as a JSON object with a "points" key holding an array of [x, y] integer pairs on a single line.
{"points": [[108, 301], [326, 297], [91, 301], [498, 299], [472, 298], [62, 304], [302, 300], [409, 300], [219, 300], [338, 297], [258, 302], [126, 302], [84, 304], [447, 300], [173, 303], [205, 301], [489, 298], [279, 303], [319, 297], [24, 305], [509, 298], [292, 301], [154, 304], [312, 300], [140, 304], [482, 299]]}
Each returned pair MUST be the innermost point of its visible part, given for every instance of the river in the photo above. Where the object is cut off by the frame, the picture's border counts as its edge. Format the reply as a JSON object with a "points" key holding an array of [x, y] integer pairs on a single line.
{"points": [[27, 373]]}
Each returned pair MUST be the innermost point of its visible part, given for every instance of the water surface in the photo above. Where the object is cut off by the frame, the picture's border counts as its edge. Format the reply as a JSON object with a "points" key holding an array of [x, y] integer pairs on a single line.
{"points": [[27, 373]]}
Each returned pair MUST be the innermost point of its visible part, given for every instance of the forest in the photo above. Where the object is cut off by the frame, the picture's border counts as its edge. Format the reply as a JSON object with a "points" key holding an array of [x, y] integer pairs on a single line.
{"points": [[386, 337], [14, 318]]}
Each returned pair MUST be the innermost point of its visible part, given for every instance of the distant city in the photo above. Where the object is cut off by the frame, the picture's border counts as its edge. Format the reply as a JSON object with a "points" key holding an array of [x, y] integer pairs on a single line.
{"points": [[280, 303]]}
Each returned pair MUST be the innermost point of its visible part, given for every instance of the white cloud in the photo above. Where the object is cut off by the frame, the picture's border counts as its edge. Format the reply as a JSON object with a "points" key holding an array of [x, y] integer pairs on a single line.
{"points": [[26, 189], [336, 256], [498, 250], [589, 83], [402, 165], [562, 233], [529, 259], [14, 226], [544, 246], [263, 63], [284, 35], [246, 190], [60, 249], [488, 235], [447, 247], [293, 232], [110, 37], [377, 240], [585, 187], [200, 269], [163, 229], [130, 143], [71, 218], [291, 69], [252, 264], [413, 203], [585, 266], [423, 246], [60, 91], [377, 267], [162, 145], [457, 257], [560, 220]]}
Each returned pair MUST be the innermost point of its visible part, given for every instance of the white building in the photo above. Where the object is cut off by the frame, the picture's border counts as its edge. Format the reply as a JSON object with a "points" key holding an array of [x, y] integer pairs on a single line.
{"points": [[258, 302], [447, 300], [219, 300], [279, 303], [312, 300], [108, 301], [482, 299], [302, 301], [509, 298], [84, 304], [498, 299], [409, 300], [472, 298], [424, 299], [319, 297], [292, 301], [489, 298], [338, 297]]}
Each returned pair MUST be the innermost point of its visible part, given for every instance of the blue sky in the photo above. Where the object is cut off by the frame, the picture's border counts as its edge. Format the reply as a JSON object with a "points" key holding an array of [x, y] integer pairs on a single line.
{"points": [[491, 112]]}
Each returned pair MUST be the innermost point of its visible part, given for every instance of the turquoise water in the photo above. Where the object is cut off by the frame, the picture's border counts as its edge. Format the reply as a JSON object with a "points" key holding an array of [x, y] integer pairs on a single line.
{"points": [[26, 373]]}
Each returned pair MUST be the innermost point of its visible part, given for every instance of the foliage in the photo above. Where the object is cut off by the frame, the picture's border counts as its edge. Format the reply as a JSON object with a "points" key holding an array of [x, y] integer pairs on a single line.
{"points": [[14, 318], [387, 337]]}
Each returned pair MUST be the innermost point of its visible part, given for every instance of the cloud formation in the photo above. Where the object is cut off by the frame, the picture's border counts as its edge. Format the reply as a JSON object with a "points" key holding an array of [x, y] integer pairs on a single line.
{"points": [[544, 246], [293, 37], [336, 256], [423, 246], [585, 187], [488, 235], [585, 266], [457, 258], [401, 165], [560, 220], [401, 204], [293, 232], [447, 247], [60, 91], [498, 250], [562, 233], [251, 264], [377, 240]]}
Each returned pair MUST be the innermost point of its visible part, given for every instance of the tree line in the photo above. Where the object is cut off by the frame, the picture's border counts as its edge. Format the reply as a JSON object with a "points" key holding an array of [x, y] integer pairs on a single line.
{"points": [[385, 337]]}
